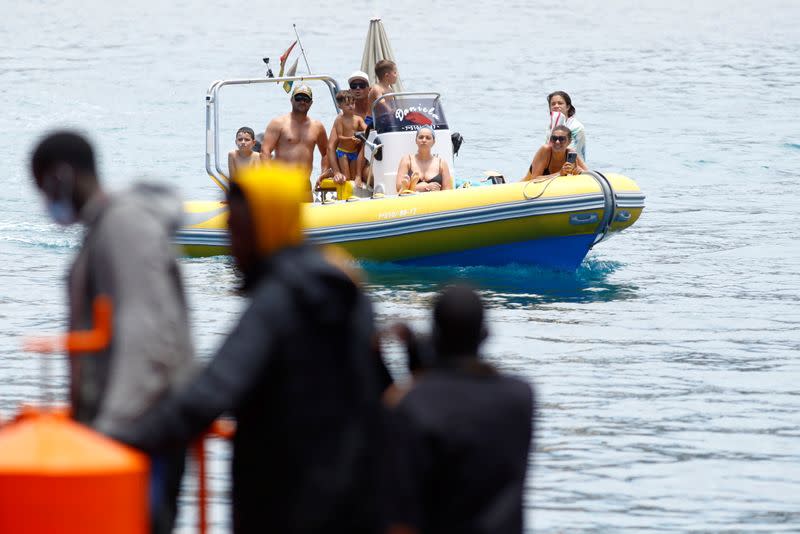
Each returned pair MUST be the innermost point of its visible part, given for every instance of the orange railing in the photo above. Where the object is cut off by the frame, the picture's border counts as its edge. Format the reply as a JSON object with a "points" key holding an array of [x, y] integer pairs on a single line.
{"points": [[99, 338]]}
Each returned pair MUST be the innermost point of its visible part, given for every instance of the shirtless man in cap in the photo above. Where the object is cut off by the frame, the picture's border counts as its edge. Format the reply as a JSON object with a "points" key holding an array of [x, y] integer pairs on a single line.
{"points": [[359, 86], [292, 136]]}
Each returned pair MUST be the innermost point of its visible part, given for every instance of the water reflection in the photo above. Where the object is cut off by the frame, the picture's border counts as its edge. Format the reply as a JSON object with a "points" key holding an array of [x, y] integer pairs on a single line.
{"points": [[513, 285]]}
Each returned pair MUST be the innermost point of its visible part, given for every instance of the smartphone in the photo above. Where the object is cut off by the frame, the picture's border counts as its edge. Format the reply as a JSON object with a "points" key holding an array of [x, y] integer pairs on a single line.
{"points": [[572, 157]]}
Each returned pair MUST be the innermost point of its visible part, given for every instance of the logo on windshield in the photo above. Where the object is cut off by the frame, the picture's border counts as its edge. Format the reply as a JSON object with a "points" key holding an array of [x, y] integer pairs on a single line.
{"points": [[418, 115]]}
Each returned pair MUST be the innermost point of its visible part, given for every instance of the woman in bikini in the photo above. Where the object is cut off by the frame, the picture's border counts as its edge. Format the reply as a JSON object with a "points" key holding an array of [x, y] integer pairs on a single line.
{"points": [[423, 171], [551, 159]]}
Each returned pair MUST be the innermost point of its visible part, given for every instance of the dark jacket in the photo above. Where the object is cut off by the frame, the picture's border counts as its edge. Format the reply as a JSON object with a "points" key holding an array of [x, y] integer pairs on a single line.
{"points": [[300, 375], [459, 444]]}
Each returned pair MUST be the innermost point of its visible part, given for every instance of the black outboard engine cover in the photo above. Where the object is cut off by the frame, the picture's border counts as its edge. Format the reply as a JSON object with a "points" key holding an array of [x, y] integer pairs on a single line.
{"points": [[456, 138]]}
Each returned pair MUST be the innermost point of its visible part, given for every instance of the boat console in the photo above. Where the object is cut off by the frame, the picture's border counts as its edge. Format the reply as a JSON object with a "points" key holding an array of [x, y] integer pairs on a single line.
{"points": [[397, 117]]}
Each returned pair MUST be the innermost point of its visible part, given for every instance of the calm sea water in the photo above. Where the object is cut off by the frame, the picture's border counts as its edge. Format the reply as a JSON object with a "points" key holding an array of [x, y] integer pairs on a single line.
{"points": [[667, 366]]}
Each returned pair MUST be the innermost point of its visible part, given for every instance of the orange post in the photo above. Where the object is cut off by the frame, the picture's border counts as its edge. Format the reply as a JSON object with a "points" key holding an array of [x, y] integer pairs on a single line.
{"points": [[199, 449], [220, 428], [57, 475], [94, 340]]}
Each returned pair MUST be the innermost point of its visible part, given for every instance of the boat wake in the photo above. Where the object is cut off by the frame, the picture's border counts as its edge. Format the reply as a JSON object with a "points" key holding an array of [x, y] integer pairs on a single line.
{"points": [[512, 284]]}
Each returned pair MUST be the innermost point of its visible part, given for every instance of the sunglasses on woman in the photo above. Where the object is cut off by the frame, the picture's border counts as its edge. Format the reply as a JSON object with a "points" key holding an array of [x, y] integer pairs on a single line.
{"points": [[558, 138], [359, 85]]}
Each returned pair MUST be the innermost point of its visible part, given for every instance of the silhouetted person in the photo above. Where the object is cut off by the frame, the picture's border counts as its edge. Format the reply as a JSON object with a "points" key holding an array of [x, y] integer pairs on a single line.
{"points": [[126, 255], [460, 437], [298, 372]]}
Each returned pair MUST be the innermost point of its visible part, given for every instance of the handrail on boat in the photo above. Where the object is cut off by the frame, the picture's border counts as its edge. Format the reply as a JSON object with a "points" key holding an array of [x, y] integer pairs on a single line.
{"points": [[610, 205], [213, 164]]}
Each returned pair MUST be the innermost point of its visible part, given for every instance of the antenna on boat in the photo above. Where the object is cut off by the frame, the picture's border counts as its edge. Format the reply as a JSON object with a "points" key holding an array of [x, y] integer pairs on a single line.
{"points": [[302, 50], [269, 69]]}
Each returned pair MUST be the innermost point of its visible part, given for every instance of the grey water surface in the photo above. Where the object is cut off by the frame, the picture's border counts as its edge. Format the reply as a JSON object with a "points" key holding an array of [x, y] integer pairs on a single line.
{"points": [[667, 366]]}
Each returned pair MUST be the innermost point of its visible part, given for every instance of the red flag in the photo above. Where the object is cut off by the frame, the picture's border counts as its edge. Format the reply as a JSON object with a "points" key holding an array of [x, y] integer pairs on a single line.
{"points": [[285, 56], [287, 86]]}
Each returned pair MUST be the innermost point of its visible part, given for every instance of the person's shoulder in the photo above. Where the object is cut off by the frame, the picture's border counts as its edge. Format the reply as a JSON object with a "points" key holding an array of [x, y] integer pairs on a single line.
{"points": [[515, 383], [147, 210], [518, 391], [280, 120], [574, 124]]}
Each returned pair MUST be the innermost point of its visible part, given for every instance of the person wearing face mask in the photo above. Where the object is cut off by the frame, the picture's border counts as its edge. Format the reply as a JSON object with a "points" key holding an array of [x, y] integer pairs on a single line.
{"points": [[127, 256]]}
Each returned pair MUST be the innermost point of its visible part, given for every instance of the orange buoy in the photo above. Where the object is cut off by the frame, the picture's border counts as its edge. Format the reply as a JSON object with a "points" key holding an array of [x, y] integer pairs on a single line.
{"points": [[57, 475]]}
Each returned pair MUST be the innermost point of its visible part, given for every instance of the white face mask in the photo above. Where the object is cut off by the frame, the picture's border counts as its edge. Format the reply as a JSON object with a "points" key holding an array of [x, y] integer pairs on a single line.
{"points": [[61, 209]]}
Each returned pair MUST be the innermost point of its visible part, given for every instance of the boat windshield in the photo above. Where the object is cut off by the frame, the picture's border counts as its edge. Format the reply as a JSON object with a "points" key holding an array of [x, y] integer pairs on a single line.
{"points": [[401, 112]]}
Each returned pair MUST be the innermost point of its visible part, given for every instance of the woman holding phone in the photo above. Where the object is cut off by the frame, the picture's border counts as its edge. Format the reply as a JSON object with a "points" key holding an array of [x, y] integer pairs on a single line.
{"points": [[553, 159]]}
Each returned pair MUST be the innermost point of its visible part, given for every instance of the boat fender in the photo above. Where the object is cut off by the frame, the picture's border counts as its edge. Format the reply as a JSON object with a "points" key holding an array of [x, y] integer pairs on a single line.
{"points": [[456, 139], [609, 208]]}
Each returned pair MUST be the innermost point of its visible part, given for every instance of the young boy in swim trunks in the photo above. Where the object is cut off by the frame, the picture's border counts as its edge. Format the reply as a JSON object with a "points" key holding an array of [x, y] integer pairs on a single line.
{"points": [[347, 165], [244, 156], [386, 74]]}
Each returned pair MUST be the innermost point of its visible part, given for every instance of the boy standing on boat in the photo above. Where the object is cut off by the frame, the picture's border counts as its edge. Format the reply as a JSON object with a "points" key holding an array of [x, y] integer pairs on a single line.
{"points": [[292, 137], [345, 149], [127, 256], [386, 74]]}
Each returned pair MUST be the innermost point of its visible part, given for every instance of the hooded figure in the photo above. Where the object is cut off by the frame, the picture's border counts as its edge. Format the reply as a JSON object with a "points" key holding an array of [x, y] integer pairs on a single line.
{"points": [[127, 256], [299, 372]]}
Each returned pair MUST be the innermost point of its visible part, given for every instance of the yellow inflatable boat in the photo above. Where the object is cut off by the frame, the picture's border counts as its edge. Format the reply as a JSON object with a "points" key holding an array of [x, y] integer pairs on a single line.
{"points": [[552, 223]]}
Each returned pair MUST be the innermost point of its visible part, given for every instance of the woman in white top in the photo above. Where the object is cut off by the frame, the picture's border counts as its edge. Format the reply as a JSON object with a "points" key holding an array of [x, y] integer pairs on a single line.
{"points": [[563, 112]]}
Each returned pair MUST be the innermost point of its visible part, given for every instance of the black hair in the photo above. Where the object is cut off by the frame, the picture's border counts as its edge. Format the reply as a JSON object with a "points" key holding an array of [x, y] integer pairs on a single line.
{"points": [[247, 130], [563, 128], [458, 327], [63, 147], [566, 98]]}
